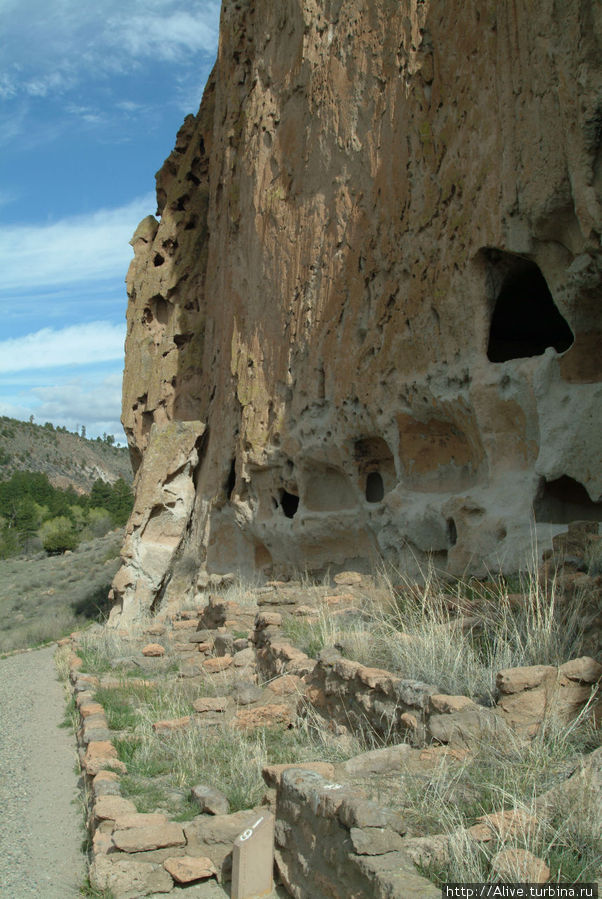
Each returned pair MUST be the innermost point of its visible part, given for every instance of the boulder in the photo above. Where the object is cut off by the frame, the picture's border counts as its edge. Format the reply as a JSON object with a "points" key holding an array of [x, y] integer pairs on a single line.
{"points": [[519, 866], [153, 650], [189, 869], [210, 800]]}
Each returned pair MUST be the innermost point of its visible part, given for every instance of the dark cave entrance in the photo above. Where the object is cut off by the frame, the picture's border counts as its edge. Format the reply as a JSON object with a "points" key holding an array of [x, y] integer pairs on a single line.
{"points": [[565, 500], [289, 503], [231, 480], [375, 488], [525, 318]]}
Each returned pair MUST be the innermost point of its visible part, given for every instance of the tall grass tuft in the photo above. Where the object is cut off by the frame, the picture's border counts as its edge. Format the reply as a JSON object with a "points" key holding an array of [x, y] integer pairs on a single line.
{"points": [[456, 637]]}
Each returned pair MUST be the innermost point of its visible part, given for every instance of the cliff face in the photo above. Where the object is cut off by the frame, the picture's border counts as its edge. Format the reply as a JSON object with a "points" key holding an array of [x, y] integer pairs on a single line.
{"points": [[368, 321]]}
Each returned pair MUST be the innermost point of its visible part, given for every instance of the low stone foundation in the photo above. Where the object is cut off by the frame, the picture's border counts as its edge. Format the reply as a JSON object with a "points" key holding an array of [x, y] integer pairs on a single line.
{"points": [[341, 845]]}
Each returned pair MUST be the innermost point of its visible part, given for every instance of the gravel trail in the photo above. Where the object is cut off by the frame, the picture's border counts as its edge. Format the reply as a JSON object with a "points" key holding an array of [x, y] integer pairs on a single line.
{"points": [[40, 824]]}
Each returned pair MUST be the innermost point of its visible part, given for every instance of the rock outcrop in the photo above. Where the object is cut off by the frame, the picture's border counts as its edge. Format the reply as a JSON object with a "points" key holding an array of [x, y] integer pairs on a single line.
{"points": [[367, 321]]}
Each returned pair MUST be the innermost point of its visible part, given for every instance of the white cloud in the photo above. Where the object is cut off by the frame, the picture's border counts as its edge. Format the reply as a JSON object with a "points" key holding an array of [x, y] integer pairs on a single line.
{"points": [[74, 39], [80, 400], [83, 344], [167, 36], [78, 248], [93, 400]]}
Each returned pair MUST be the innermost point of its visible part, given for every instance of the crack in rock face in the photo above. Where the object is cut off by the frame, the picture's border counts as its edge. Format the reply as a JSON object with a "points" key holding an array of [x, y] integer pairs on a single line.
{"points": [[367, 321]]}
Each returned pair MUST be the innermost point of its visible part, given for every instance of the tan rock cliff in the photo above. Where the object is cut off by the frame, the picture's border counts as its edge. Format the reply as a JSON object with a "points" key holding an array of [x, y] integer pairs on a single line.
{"points": [[374, 290]]}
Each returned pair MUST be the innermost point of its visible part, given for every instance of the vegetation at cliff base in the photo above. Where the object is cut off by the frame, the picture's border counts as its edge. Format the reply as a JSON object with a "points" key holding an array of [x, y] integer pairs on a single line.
{"points": [[44, 597]]}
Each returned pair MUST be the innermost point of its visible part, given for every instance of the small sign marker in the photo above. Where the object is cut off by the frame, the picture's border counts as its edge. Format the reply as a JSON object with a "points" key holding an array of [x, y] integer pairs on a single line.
{"points": [[253, 860]]}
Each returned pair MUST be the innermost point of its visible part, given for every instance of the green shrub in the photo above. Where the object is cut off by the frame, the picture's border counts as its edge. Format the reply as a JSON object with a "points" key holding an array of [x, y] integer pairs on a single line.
{"points": [[58, 535]]}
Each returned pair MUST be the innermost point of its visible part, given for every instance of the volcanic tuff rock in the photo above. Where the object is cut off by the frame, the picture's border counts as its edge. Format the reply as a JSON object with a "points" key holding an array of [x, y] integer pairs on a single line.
{"points": [[368, 318]]}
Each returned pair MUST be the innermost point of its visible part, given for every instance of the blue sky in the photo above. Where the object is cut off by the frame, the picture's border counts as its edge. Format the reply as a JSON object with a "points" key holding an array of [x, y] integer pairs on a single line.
{"points": [[91, 97]]}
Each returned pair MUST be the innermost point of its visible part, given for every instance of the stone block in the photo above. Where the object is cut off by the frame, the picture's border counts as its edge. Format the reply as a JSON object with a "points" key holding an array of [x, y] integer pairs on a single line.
{"points": [[379, 761], [218, 664], [141, 839], [128, 878], [519, 866], [168, 725], [264, 716], [286, 684], [101, 755], [375, 840], [111, 807], [127, 820], [153, 650], [210, 704], [189, 869], [272, 774]]}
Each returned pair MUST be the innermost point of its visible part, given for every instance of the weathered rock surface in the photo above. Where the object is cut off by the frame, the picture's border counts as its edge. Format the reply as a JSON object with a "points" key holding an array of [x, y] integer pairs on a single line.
{"points": [[519, 865], [188, 869], [210, 799], [128, 878], [368, 319], [153, 836], [528, 695]]}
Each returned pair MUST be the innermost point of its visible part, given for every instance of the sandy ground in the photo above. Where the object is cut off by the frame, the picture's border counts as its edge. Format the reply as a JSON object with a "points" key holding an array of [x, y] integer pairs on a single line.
{"points": [[41, 815]]}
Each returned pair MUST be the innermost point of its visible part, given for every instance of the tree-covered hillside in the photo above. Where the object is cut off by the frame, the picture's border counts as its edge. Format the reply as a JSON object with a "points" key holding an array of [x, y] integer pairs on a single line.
{"points": [[36, 515], [68, 459]]}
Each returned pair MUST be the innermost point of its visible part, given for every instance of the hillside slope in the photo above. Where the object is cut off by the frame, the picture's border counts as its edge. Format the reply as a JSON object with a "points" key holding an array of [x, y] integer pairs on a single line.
{"points": [[68, 459]]}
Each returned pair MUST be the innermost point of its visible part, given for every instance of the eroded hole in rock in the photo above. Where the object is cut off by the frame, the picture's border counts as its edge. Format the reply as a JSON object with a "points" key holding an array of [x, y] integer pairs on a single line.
{"points": [[376, 467], [231, 480], [525, 319], [158, 260], [564, 500], [147, 421], [160, 309], [289, 503], [452, 532], [375, 489]]}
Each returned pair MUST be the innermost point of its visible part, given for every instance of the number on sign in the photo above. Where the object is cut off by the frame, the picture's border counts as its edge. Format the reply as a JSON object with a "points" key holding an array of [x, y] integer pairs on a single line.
{"points": [[248, 833]]}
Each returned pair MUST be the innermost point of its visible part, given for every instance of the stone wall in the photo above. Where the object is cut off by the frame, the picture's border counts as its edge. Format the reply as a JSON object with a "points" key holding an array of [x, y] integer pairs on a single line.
{"points": [[341, 845], [374, 286]]}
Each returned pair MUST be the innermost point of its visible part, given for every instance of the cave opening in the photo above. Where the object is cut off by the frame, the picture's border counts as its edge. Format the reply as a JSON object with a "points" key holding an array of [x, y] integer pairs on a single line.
{"points": [[452, 532], [375, 488], [525, 320], [564, 500], [289, 503], [161, 309], [231, 480]]}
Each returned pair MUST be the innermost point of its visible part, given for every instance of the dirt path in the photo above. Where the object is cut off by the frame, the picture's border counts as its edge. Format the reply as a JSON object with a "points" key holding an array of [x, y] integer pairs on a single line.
{"points": [[40, 810]]}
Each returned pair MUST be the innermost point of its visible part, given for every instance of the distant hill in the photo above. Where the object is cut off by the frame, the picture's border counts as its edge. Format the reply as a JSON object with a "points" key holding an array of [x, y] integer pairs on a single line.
{"points": [[68, 459]]}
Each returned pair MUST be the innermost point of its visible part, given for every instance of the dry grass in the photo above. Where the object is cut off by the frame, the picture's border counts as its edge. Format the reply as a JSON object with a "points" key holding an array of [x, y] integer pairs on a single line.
{"points": [[46, 597], [504, 775], [455, 637]]}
